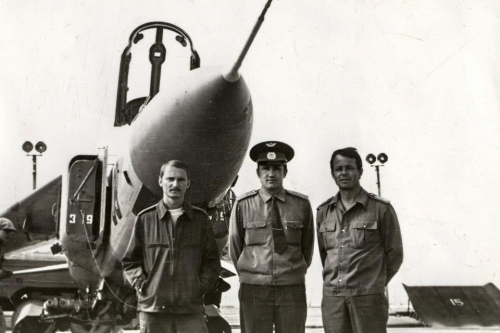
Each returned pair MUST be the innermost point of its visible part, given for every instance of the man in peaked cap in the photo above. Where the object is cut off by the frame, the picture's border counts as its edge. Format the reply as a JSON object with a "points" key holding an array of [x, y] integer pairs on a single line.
{"points": [[6, 229], [361, 250], [271, 246]]}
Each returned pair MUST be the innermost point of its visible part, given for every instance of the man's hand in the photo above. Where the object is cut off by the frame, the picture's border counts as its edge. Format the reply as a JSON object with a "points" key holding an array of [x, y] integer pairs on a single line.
{"points": [[221, 286], [5, 274]]}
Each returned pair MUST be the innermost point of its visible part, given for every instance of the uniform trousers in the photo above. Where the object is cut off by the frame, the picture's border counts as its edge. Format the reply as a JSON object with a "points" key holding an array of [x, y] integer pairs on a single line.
{"points": [[159, 322], [355, 314], [262, 306]]}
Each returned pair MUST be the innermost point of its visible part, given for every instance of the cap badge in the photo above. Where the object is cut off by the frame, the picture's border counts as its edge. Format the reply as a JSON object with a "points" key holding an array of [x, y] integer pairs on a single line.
{"points": [[271, 144], [271, 155]]}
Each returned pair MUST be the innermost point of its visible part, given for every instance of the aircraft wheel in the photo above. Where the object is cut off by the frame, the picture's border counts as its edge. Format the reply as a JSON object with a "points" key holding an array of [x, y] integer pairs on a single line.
{"points": [[31, 324]]}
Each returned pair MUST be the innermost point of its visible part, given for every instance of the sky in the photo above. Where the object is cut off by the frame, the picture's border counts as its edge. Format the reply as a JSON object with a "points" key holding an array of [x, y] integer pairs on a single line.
{"points": [[417, 80]]}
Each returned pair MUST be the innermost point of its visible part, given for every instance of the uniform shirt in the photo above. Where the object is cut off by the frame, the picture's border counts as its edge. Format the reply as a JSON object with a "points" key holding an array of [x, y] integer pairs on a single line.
{"points": [[251, 244], [173, 272], [361, 248], [174, 215]]}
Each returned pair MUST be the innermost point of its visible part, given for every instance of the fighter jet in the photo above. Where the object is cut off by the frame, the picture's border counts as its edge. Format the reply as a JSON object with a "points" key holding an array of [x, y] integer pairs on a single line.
{"points": [[203, 119]]}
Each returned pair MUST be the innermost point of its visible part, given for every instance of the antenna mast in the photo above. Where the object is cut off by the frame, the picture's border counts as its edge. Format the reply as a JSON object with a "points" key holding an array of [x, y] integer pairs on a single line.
{"points": [[233, 74]]}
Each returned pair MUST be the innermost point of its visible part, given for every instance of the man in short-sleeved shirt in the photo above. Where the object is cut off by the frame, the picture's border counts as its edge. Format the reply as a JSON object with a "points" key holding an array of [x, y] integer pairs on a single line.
{"points": [[361, 250]]}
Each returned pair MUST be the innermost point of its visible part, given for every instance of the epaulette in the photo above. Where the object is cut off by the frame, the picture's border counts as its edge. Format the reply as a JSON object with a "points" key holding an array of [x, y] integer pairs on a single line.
{"points": [[145, 210], [324, 203], [376, 197], [247, 195], [300, 195], [199, 209]]}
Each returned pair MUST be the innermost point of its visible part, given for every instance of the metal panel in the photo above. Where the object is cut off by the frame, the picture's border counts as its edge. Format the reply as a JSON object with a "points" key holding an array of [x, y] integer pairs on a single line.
{"points": [[82, 200], [457, 306]]}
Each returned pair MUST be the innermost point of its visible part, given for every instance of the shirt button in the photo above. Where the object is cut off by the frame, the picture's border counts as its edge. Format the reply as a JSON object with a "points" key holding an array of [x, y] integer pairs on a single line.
{"points": [[163, 307], [343, 230], [341, 264], [340, 280], [341, 245]]}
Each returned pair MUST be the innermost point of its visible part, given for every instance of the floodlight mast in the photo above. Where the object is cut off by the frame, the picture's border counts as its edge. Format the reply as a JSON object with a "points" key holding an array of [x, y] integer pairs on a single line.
{"points": [[39, 147], [34, 171], [378, 180], [382, 158]]}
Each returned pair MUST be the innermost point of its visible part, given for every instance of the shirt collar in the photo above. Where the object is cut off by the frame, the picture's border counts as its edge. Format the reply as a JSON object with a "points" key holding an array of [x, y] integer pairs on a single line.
{"points": [[362, 198], [266, 196], [162, 209]]}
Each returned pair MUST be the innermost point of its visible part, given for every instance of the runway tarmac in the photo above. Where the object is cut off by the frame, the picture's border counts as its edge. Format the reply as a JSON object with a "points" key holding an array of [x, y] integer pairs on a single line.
{"points": [[314, 324], [395, 325]]}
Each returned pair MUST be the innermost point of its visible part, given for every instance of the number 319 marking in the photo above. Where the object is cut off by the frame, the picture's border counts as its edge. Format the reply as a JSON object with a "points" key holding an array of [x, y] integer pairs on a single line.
{"points": [[72, 219]]}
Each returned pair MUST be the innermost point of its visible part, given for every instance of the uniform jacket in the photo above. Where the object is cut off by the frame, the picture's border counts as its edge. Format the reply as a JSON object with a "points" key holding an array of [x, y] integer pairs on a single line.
{"points": [[361, 249], [251, 245], [174, 273]]}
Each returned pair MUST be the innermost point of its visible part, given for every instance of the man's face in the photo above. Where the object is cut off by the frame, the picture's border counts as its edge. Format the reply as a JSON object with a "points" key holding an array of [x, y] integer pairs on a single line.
{"points": [[345, 172], [174, 182], [271, 176], [5, 236]]}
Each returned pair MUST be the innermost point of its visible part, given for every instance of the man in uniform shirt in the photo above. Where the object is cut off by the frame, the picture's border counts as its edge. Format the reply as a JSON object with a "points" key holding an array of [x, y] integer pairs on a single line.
{"points": [[172, 259], [271, 245], [361, 250]]}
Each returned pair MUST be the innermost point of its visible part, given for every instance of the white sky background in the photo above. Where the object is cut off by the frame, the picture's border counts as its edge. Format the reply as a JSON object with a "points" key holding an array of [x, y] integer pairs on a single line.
{"points": [[418, 80]]}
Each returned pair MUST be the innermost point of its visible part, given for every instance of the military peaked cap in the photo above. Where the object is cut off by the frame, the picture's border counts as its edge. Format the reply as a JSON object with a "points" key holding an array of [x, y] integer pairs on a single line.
{"points": [[271, 151]]}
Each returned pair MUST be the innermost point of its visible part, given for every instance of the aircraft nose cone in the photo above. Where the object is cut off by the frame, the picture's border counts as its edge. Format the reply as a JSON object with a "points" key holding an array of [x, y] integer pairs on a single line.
{"points": [[204, 121]]}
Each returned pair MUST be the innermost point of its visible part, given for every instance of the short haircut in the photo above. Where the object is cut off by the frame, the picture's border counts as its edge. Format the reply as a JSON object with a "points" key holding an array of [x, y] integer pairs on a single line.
{"points": [[348, 152], [176, 164]]}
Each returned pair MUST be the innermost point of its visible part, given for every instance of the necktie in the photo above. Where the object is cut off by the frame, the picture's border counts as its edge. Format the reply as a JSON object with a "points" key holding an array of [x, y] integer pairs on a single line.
{"points": [[278, 233]]}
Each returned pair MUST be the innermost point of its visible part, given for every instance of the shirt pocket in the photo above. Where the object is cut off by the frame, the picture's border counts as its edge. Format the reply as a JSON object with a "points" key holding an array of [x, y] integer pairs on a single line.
{"points": [[293, 232], [364, 233], [327, 231], [156, 253], [255, 232]]}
